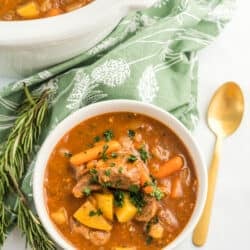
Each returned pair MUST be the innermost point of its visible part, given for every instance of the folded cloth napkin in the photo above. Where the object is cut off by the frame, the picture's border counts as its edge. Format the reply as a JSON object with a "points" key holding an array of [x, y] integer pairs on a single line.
{"points": [[150, 56]]}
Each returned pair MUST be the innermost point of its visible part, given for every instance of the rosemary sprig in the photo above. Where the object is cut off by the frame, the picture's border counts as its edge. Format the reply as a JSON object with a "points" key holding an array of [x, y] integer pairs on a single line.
{"points": [[14, 157]]}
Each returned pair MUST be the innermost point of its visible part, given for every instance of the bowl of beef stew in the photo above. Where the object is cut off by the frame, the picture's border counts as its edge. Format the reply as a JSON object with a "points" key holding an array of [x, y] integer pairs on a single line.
{"points": [[119, 175]]}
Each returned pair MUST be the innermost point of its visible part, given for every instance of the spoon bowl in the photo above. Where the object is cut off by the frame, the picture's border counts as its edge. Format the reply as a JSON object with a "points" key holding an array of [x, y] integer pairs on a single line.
{"points": [[226, 109]]}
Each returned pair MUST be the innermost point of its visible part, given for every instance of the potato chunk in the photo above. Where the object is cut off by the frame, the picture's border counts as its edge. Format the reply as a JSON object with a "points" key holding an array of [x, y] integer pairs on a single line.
{"points": [[156, 231], [28, 10], [60, 216], [105, 202], [127, 211], [87, 215]]}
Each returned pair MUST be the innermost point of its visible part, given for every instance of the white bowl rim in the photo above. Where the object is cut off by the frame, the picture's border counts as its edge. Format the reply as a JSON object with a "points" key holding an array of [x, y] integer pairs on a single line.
{"points": [[46, 29], [86, 19], [118, 105]]}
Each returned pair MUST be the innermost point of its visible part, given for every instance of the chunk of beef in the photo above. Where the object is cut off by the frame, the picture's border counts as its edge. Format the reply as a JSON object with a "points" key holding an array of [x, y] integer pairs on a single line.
{"points": [[168, 219], [127, 143], [84, 182], [148, 211], [79, 171], [160, 153], [97, 237], [119, 172], [116, 178], [79, 228]]}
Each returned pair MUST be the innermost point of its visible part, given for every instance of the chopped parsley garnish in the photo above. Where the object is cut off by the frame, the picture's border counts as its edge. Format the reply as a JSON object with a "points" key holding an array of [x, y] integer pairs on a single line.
{"points": [[137, 197], [114, 155], [131, 133], [149, 239], [94, 176], [67, 154], [157, 193], [104, 152], [154, 220], [98, 212], [87, 191], [120, 170], [118, 183], [112, 164], [118, 198], [107, 172], [131, 159], [97, 138], [134, 188], [108, 135], [93, 171], [143, 154], [107, 184]]}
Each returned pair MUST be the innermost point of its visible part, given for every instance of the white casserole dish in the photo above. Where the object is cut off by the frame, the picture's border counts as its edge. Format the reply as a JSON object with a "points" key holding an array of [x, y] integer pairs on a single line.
{"points": [[108, 107], [29, 46]]}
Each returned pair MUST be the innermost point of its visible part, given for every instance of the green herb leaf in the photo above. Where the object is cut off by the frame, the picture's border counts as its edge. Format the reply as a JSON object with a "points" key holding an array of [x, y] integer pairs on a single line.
{"points": [[118, 198], [114, 155], [118, 183], [107, 184], [93, 171], [98, 212], [137, 197], [157, 193], [108, 135], [87, 191], [97, 138], [120, 170], [149, 240], [131, 159], [154, 220], [131, 133], [134, 188], [104, 152], [112, 164], [143, 154], [67, 154], [107, 172], [94, 176]]}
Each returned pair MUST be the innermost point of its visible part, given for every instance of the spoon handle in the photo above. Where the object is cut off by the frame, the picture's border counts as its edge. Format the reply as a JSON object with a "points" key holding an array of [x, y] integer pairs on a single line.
{"points": [[201, 230]]}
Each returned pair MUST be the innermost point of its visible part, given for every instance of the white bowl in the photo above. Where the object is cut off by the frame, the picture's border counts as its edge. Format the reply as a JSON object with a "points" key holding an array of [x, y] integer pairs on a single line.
{"points": [[107, 107], [29, 46]]}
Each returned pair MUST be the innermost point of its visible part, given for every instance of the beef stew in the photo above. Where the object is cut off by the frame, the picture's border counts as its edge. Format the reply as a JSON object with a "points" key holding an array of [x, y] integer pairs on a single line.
{"points": [[120, 181]]}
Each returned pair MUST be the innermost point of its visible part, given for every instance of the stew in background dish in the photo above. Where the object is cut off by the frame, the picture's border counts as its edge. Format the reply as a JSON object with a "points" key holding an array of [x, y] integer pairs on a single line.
{"points": [[32, 9], [120, 181]]}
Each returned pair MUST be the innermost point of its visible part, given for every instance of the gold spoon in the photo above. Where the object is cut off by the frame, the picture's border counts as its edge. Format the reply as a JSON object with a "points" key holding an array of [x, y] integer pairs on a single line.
{"points": [[224, 117]]}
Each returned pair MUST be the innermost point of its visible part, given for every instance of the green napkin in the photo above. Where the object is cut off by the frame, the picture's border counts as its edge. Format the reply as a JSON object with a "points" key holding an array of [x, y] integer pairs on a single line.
{"points": [[150, 56]]}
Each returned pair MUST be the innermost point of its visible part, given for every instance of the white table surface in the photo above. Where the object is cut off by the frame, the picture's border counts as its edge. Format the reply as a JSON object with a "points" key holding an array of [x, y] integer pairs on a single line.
{"points": [[228, 58]]}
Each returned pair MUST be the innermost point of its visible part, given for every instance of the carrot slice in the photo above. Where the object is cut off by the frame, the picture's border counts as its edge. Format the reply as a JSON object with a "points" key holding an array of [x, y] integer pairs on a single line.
{"points": [[176, 190], [148, 189], [144, 177], [94, 153], [169, 167]]}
